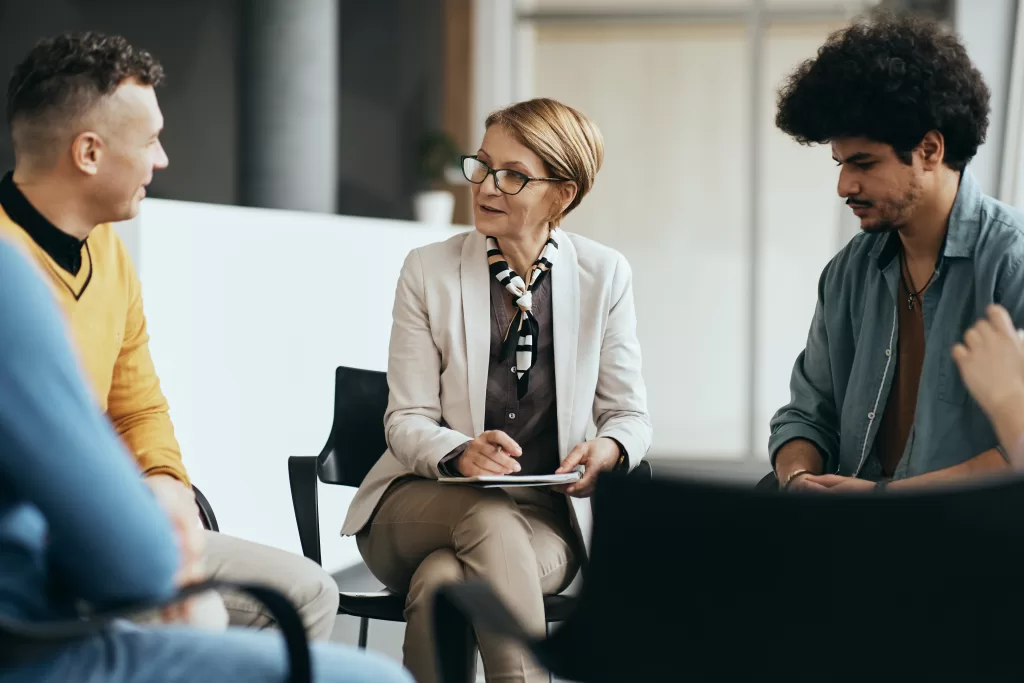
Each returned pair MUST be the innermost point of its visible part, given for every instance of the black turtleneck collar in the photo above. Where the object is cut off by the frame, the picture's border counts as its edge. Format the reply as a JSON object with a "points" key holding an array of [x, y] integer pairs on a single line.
{"points": [[64, 249]]}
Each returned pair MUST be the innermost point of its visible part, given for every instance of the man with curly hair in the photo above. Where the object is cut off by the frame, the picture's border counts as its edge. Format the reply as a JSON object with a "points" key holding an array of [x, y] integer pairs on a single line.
{"points": [[876, 397], [86, 126]]}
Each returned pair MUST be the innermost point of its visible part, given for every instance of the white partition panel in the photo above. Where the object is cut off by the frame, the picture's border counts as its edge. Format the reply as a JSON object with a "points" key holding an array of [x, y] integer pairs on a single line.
{"points": [[250, 311], [673, 196], [802, 224], [674, 103]]}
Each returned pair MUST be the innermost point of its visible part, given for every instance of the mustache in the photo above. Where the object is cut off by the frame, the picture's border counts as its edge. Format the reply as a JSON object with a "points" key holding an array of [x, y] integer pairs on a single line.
{"points": [[858, 202]]}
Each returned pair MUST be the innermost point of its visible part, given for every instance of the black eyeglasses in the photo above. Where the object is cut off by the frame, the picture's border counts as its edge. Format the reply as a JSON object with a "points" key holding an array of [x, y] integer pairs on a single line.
{"points": [[506, 180]]}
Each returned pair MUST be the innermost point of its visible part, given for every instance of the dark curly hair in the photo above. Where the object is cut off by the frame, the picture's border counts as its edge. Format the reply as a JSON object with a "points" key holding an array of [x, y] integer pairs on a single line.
{"points": [[65, 75], [891, 79]]}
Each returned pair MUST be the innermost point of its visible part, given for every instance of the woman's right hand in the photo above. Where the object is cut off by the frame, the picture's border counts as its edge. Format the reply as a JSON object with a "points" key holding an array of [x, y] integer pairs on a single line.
{"points": [[491, 453]]}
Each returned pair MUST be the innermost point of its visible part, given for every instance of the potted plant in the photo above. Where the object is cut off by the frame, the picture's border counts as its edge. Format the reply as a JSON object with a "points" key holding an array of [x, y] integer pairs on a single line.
{"points": [[437, 159]]}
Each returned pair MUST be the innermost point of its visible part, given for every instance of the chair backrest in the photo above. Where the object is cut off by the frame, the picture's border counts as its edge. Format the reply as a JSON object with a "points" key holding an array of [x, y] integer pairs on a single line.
{"points": [[357, 437], [206, 515], [691, 578]]}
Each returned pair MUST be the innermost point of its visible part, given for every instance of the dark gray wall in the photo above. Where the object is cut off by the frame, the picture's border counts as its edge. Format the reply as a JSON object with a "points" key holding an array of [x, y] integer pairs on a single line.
{"points": [[391, 82], [196, 41], [391, 89]]}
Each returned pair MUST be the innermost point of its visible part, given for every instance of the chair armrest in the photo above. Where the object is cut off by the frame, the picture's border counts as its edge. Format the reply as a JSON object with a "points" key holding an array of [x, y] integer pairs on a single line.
{"points": [[28, 639], [302, 479], [643, 471]]}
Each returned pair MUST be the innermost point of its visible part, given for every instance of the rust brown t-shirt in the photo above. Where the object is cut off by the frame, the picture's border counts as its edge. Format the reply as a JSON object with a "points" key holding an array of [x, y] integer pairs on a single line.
{"points": [[898, 418]]}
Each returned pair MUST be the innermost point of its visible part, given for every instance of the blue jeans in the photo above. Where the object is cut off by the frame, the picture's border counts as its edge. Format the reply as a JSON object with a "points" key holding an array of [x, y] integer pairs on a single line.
{"points": [[172, 654]]}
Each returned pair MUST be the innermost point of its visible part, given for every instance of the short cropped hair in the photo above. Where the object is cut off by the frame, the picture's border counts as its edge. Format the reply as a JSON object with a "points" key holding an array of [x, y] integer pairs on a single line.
{"points": [[569, 144], [891, 79], [63, 78]]}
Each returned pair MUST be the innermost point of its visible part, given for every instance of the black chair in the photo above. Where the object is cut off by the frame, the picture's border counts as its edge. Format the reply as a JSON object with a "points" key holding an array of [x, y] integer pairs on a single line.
{"points": [[355, 444], [768, 482], [757, 586]]}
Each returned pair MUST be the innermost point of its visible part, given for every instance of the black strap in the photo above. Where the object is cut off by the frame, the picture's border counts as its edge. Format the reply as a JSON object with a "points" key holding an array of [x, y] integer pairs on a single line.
{"points": [[21, 642]]}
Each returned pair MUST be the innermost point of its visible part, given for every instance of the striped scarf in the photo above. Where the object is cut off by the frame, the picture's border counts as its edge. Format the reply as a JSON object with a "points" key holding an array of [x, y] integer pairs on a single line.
{"points": [[522, 332]]}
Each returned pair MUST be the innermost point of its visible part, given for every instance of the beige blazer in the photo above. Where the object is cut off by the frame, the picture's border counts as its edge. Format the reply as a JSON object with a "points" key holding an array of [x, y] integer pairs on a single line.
{"points": [[439, 355]]}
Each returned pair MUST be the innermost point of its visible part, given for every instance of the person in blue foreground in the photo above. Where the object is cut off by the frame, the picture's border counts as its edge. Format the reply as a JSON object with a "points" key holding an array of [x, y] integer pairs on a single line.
{"points": [[94, 532], [876, 397]]}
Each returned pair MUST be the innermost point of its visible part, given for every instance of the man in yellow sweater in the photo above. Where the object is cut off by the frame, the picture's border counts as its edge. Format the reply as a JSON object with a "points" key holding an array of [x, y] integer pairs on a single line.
{"points": [[86, 129]]}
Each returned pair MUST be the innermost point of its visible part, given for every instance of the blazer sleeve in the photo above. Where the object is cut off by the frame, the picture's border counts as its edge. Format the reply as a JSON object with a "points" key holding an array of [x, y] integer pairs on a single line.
{"points": [[412, 424], [620, 401]]}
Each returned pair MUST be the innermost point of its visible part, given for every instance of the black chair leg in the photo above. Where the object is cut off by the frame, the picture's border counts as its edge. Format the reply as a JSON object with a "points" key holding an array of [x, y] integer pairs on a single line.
{"points": [[547, 633], [364, 632]]}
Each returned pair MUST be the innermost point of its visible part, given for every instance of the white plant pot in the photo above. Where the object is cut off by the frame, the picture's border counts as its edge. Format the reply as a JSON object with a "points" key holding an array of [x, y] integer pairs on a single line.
{"points": [[436, 207]]}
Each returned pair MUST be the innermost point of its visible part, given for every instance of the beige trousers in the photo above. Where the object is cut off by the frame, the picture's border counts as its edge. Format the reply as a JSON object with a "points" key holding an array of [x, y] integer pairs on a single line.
{"points": [[424, 534], [312, 590]]}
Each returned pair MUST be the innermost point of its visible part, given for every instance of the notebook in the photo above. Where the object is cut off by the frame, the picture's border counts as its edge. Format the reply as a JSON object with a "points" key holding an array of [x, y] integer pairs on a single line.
{"points": [[510, 480]]}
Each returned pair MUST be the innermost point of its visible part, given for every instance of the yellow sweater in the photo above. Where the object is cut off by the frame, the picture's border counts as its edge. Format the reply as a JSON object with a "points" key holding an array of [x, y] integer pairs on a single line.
{"points": [[103, 303]]}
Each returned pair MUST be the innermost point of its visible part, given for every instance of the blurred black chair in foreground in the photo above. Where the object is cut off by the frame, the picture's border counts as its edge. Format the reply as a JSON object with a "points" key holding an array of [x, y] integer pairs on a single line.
{"points": [[752, 585]]}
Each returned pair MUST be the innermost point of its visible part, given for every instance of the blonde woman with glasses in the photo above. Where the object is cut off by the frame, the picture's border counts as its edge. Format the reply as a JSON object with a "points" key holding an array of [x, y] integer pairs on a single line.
{"points": [[506, 343]]}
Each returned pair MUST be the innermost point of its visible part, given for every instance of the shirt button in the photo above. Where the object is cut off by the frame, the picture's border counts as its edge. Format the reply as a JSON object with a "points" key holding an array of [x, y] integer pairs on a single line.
{"points": [[871, 415], [888, 352], [511, 416]]}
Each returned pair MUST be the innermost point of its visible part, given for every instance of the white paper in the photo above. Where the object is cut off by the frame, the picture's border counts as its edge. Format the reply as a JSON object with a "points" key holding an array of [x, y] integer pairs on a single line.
{"points": [[508, 481]]}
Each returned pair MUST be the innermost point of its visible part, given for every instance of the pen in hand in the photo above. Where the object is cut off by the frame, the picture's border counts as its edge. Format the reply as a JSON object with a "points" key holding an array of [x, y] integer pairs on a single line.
{"points": [[492, 453]]}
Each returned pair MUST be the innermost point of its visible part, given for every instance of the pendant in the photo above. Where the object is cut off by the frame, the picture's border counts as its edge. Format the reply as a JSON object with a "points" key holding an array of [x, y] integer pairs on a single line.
{"points": [[910, 302]]}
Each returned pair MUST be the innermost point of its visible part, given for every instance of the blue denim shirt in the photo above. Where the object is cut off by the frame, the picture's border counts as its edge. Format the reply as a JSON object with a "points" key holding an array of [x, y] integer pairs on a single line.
{"points": [[841, 380]]}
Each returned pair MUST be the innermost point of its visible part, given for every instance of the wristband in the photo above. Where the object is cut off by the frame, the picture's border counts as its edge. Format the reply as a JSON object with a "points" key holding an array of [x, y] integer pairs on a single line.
{"points": [[793, 475]]}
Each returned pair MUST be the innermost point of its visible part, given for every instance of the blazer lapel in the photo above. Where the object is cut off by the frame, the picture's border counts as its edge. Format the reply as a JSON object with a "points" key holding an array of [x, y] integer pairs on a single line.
{"points": [[476, 313], [565, 309]]}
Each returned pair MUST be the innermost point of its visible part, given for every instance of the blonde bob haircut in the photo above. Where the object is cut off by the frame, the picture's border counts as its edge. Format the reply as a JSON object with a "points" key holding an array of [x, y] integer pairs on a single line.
{"points": [[568, 143]]}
